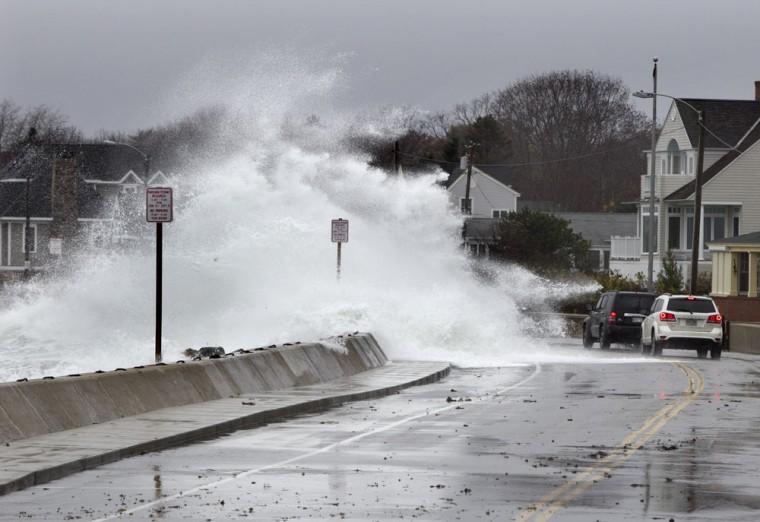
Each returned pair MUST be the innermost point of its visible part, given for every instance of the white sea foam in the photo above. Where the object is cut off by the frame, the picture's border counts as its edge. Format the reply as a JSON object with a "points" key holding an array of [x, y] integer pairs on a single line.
{"points": [[249, 262]]}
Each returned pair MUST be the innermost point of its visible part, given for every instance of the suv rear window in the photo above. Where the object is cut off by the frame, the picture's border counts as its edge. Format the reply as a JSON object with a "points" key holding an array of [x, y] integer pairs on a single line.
{"points": [[697, 306], [633, 303]]}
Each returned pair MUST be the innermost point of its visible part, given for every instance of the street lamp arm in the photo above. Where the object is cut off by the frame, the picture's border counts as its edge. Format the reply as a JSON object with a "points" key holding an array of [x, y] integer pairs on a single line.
{"points": [[141, 153]]}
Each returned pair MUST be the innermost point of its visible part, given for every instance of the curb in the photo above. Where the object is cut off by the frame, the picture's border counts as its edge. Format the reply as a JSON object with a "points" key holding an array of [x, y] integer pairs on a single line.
{"points": [[211, 431]]}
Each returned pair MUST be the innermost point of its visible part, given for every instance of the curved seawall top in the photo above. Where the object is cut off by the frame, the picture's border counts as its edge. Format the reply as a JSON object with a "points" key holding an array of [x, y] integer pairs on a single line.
{"points": [[41, 406]]}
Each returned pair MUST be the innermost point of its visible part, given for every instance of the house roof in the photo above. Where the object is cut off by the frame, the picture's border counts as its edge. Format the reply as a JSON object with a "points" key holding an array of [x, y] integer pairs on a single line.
{"points": [[728, 119], [753, 238], [92, 201], [501, 173], [598, 227], [101, 162], [716, 168]]}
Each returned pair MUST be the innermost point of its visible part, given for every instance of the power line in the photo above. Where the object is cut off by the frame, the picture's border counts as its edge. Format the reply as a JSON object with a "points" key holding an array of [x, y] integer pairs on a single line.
{"points": [[528, 163]]}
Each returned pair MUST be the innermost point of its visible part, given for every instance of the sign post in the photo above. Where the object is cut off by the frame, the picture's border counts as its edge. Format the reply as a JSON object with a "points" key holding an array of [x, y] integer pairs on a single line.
{"points": [[339, 236], [159, 208]]}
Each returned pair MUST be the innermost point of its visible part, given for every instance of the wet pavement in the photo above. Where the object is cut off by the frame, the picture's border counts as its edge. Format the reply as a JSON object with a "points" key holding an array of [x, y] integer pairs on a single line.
{"points": [[621, 438]]}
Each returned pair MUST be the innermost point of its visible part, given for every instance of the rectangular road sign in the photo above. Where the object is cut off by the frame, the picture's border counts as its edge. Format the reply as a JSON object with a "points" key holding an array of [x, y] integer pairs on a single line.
{"points": [[158, 204], [340, 231]]}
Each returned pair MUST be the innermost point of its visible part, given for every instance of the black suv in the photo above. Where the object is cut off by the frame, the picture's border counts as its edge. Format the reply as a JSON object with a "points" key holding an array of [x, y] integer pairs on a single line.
{"points": [[616, 317]]}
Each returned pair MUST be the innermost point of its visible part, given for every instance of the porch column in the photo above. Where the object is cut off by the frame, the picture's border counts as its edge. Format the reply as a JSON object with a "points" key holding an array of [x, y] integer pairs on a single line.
{"points": [[717, 274], [752, 288], [733, 270]]}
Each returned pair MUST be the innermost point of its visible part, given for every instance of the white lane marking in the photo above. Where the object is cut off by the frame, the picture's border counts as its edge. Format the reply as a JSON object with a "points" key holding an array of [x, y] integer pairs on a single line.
{"points": [[325, 449]]}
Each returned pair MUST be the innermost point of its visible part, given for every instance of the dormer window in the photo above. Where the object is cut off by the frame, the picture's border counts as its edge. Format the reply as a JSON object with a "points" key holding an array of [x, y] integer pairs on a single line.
{"points": [[129, 189], [674, 157]]}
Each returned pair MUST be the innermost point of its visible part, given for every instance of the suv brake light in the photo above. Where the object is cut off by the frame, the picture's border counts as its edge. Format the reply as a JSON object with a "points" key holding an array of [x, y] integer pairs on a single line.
{"points": [[715, 318], [613, 316], [668, 317]]}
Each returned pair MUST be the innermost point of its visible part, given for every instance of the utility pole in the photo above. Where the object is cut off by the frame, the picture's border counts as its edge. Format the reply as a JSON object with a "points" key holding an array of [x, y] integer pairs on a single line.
{"points": [[695, 245], [396, 158], [467, 205], [652, 243]]}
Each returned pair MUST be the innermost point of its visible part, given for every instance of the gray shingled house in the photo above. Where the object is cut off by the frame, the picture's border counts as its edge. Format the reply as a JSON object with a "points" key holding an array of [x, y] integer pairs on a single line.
{"points": [[78, 194]]}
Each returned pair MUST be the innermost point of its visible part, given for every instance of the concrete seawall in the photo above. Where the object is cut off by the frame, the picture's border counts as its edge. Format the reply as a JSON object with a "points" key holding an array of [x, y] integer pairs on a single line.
{"points": [[42, 406], [744, 337]]}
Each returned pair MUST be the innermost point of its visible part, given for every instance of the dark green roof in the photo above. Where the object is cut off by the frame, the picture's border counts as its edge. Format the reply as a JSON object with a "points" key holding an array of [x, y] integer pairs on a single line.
{"points": [[744, 239]]}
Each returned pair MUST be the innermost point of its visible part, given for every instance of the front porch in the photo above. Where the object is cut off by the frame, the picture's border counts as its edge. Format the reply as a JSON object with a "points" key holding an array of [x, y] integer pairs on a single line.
{"points": [[675, 234]]}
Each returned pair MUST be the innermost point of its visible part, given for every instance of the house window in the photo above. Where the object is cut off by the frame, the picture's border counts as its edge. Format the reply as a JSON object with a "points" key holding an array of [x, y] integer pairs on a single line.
{"points": [[714, 225], [645, 233], [129, 189], [33, 240], [691, 165], [674, 157], [735, 227], [499, 213], [465, 205], [689, 232], [674, 231]]}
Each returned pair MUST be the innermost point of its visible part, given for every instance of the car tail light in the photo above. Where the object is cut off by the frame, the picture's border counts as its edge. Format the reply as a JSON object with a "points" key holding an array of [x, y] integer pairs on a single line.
{"points": [[715, 318], [613, 316], [691, 298], [668, 317]]}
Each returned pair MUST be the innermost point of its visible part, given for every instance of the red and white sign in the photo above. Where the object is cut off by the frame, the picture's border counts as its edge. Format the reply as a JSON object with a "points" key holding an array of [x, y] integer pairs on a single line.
{"points": [[340, 231], [158, 204]]}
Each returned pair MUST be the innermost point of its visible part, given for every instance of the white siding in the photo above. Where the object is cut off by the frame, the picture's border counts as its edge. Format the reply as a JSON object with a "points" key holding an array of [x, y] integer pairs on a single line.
{"points": [[486, 193], [739, 182], [672, 130], [675, 130]]}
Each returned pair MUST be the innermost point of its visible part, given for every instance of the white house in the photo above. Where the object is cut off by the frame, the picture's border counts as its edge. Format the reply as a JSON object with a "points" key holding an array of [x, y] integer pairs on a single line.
{"points": [[491, 193], [731, 184]]}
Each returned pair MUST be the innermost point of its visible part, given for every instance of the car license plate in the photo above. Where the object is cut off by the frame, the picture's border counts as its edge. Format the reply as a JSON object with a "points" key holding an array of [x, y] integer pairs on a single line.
{"points": [[636, 320], [691, 322]]}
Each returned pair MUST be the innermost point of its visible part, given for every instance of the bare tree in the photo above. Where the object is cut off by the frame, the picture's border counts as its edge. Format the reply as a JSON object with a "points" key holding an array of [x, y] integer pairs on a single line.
{"points": [[469, 113], [51, 125], [573, 126], [9, 124]]}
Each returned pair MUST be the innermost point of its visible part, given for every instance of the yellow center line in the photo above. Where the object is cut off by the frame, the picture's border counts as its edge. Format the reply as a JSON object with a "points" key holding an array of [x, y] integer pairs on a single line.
{"points": [[548, 505]]}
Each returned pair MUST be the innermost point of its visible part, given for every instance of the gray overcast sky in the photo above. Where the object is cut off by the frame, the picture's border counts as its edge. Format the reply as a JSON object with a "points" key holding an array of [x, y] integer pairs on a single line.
{"points": [[114, 64]]}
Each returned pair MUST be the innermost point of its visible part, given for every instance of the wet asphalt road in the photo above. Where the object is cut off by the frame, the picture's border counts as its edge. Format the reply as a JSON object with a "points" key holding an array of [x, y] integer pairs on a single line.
{"points": [[619, 438]]}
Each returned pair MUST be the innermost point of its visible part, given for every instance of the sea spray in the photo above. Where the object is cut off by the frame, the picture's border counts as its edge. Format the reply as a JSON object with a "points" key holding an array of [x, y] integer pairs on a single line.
{"points": [[249, 262]]}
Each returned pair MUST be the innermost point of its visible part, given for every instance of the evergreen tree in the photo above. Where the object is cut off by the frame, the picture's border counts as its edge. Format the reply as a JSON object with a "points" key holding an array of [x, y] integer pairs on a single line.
{"points": [[670, 278]]}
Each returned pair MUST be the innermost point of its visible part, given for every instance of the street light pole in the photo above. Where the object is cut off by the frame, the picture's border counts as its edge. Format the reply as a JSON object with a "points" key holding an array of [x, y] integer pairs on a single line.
{"points": [[652, 230]]}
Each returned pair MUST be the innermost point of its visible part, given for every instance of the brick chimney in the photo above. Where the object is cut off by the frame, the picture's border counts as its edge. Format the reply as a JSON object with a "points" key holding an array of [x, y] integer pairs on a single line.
{"points": [[63, 200], [757, 91]]}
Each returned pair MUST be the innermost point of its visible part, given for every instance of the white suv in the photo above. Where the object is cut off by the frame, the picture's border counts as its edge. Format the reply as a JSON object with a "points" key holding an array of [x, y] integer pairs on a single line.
{"points": [[683, 322]]}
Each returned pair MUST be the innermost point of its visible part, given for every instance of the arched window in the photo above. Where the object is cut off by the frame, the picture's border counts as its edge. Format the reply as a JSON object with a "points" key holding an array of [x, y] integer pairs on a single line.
{"points": [[674, 157]]}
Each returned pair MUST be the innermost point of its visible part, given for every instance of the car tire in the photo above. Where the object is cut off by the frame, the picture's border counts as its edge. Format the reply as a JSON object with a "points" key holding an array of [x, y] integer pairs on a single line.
{"points": [[604, 340], [702, 353], [644, 348], [588, 341], [656, 346], [715, 352]]}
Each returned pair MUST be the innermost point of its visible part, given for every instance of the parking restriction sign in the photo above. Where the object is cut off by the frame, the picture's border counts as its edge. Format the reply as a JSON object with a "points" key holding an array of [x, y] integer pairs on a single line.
{"points": [[158, 204], [340, 231]]}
